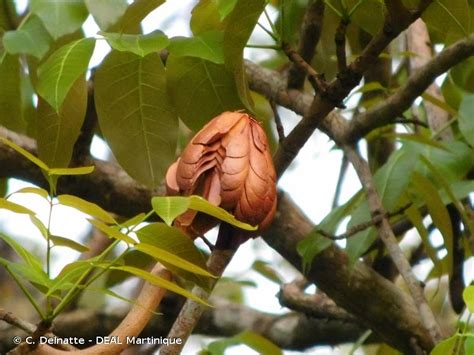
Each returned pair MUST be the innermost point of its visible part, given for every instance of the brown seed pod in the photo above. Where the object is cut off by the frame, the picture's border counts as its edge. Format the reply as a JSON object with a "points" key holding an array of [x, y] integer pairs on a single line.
{"points": [[227, 162]]}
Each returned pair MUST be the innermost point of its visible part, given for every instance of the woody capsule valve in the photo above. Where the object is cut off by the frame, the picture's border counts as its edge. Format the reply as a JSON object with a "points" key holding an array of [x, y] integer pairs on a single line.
{"points": [[228, 163]]}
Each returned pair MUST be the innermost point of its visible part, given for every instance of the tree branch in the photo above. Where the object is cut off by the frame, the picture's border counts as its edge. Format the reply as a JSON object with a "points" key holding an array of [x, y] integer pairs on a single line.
{"points": [[325, 102], [386, 235], [390, 313], [132, 325], [293, 330], [318, 305], [418, 82], [309, 37]]}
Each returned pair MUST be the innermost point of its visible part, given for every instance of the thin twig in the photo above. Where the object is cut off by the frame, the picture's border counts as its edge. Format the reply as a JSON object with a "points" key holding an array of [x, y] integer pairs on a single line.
{"points": [[192, 311], [317, 80], [413, 121], [362, 226], [309, 38], [28, 327], [340, 39], [386, 235], [279, 125], [318, 305]]}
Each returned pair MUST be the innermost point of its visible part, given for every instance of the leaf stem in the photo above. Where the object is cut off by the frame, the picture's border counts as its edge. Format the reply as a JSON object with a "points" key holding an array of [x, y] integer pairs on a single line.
{"points": [[267, 31], [73, 291], [26, 292]]}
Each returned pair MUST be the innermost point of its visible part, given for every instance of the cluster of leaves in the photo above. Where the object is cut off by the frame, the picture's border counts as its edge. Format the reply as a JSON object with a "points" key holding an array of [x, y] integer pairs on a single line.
{"points": [[154, 242], [461, 342], [137, 98]]}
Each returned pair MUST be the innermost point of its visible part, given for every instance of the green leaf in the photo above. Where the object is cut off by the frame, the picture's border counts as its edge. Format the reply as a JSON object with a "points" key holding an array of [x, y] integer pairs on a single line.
{"points": [[110, 293], [133, 16], [174, 241], [217, 90], [69, 275], [240, 25], [58, 73], [86, 207], [446, 346], [57, 132], [168, 208], [141, 45], [453, 162], [254, 341], [200, 204], [40, 226], [37, 277], [83, 170], [439, 178], [465, 119], [60, 17], [437, 210], [158, 281], [132, 222], [225, 7], [106, 12], [314, 242], [205, 17], [417, 138], [440, 103], [264, 269], [450, 19], [367, 14], [31, 260], [11, 115], [415, 217], [133, 258], [206, 46], [33, 190], [391, 181], [112, 232], [462, 77], [169, 258], [135, 115], [25, 153], [65, 242], [14, 207], [468, 297], [32, 38]]}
